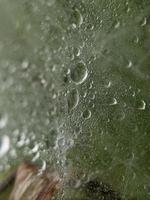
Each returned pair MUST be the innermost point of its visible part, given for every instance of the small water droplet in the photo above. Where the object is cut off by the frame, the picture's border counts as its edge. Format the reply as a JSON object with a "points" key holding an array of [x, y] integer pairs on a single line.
{"points": [[113, 102], [86, 114], [77, 52], [60, 143], [108, 85], [144, 22], [117, 25], [3, 121], [129, 64], [136, 40], [25, 64], [142, 105], [4, 145], [79, 73], [43, 168]]}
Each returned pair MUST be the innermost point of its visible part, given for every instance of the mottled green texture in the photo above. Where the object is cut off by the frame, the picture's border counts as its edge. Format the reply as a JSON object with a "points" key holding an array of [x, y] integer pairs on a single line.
{"points": [[41, 43]]}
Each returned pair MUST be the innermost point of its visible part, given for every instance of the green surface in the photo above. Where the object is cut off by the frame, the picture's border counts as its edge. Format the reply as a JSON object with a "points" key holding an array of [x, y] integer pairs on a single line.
{"points": [[75, 88]]}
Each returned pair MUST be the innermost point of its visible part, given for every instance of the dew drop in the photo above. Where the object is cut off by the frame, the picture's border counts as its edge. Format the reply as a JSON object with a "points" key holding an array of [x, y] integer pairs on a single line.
{"points": [[60, 143], [73, 99], [77, 18], [144, 22], [142, 105], [129, 64], [114, 102], [79, 73], [3, 121], [25, 64], [77, 52], [136, 40], [4, 145], [86, 114], [43, 167], [108, 85], [117, 25]]}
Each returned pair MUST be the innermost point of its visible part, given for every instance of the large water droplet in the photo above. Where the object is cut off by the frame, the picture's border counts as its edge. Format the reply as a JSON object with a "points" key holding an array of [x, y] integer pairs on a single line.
{"points": [[77, 18], [79, 73], [73, 99], [4, 145]]}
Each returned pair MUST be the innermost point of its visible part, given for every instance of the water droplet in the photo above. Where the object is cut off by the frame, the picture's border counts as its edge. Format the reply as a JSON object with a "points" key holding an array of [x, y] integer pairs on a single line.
{"points": [[3, 121], [25, 64], [113, 102], [144, 22], [77, 52], [79, 73], [108, 85], [142, 105], [117, 25], [4, 145], [73, 99], [77, 18], [60, 143], [136, 40], [43, 168], [129, 64], [86, 114]]}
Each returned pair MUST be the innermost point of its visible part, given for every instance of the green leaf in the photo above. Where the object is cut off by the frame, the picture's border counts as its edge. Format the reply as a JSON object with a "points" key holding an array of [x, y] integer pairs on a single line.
{"points": [[74, 88]]}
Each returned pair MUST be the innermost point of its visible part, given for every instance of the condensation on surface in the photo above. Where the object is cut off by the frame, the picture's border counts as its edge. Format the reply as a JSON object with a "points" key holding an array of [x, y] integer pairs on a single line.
{"points": [[74, 92]]}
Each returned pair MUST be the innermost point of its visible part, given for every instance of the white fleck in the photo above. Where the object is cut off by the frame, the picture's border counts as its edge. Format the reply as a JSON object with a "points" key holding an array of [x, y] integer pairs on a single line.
{"points": [[4, 145], [35, 148], [3, 121]]}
